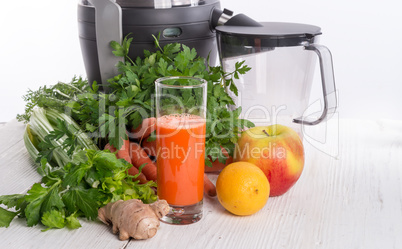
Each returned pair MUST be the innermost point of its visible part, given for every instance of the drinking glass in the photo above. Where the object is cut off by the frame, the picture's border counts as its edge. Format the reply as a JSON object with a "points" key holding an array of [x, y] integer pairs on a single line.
{"points": [[180, 143]]}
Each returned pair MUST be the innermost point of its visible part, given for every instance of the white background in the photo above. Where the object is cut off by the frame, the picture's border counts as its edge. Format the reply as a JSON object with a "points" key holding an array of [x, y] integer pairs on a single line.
{"points": [[39, 46]]}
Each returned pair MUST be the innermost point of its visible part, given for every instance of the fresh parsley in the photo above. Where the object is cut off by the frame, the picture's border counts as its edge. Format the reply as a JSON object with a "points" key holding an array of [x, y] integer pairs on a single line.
{"points": [[107, 116], [223, 124], [88, 180], [76, 190]]}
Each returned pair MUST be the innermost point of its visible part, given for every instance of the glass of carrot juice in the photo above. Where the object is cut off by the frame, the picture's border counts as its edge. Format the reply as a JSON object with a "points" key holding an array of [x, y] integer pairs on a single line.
{"points": [[180, 144]]}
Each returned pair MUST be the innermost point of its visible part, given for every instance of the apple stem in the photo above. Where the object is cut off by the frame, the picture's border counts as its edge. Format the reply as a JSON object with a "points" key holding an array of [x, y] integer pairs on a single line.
{"points": [[266, 133]]}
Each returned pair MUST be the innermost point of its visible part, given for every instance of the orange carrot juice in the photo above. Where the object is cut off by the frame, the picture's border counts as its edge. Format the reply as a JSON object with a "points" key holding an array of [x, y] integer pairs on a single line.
{"points": [[180, 158]]}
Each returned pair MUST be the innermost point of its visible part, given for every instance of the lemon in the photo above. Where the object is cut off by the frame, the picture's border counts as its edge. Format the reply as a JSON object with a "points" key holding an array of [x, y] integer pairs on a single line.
{"points": [[242, 188]]}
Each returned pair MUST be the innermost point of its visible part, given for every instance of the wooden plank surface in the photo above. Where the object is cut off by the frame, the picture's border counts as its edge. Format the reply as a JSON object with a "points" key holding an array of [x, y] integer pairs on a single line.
{"points": [[10, 133], [349, 196]]}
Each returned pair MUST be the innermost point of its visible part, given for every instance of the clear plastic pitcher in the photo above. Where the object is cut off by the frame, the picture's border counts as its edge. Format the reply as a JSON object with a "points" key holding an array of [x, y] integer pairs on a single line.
{"points": [[282, 57]]}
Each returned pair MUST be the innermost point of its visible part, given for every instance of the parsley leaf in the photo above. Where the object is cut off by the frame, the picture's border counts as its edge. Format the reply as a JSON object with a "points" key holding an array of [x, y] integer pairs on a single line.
{"points": [[53, 219], [81, 199], [72, 222], [6, 217]]}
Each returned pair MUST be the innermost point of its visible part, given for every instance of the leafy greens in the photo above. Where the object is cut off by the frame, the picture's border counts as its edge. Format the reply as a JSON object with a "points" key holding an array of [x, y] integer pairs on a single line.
{"points": [[92, 179], [130, 99]]}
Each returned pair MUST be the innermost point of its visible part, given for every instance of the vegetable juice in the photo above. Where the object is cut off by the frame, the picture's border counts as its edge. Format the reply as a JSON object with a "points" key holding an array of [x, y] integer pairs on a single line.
{"points": [[180, 158]]}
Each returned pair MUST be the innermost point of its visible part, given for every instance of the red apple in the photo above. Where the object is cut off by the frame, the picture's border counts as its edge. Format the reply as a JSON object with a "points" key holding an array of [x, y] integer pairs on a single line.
{"points": [[277, 150]]}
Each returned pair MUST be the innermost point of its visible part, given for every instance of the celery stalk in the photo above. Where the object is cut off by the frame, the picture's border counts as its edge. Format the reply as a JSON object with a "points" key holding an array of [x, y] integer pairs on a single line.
{"points": [[32, 150], [83, 139], [42, 122], [41, 126]]}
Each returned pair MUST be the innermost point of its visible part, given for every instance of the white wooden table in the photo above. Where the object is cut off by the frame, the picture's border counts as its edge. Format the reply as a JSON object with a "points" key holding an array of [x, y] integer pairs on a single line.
{"points": [[349, 196]]}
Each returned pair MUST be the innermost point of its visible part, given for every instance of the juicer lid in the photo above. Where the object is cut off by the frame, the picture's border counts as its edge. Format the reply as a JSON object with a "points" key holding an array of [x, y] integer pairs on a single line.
{"points": [[153, 4], [273, 34]]}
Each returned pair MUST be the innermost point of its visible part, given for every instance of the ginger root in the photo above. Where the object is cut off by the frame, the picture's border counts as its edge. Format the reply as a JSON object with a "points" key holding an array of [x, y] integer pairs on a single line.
{"points": [[132, 218]]}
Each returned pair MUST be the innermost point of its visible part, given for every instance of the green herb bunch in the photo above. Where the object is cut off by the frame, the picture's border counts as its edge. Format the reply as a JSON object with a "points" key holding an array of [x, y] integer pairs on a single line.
{"points": [[136, 87], [56, 96], [77, 190], [109, 115], [89, 180]]}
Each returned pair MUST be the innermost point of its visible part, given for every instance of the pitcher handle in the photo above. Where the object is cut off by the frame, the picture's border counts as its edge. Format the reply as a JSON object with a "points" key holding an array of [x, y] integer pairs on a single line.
{"points": [[108, 27], [328, 85]]}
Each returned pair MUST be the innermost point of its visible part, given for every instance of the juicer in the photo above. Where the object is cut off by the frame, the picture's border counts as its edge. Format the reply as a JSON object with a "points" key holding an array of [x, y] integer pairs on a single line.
{"points": [[282, 56], [190, 22]]}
